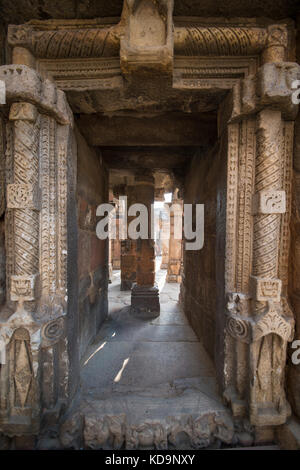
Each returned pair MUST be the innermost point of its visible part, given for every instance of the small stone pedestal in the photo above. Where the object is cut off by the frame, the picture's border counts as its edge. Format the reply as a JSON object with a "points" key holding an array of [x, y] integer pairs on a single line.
{"points": [[145, 301]]}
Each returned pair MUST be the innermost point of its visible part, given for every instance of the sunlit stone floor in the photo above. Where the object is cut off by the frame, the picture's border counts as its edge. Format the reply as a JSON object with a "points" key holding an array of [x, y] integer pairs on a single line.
{"points": [[150, 370], [131, 355]]}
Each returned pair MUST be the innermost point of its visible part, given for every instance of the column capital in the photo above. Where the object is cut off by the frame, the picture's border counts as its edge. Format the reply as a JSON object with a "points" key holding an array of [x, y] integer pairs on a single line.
{"points": [[270, 87], [23, 112]]}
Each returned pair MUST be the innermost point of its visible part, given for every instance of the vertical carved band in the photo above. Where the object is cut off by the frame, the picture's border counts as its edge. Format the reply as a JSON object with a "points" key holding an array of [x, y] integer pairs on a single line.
{"points": [[20, 197], [267, 178], [231, 228]]}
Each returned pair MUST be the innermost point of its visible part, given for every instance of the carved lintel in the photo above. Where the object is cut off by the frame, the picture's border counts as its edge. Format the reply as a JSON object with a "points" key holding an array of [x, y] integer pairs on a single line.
{"points": [[264, 289], [269, 202], [22, 288], [23, 196]]}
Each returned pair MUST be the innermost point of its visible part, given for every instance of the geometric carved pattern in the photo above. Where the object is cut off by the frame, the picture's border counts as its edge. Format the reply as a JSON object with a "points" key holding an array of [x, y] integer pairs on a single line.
{"points": [[22, 196], [266, 289], [273, 322], [53, 331], [269, 202], [23, 372], [218, 40], [22, 288], [267, 178], [26, 171]]}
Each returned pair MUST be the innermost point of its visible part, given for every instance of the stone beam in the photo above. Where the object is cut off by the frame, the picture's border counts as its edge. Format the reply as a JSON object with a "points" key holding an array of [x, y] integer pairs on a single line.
{"points": [[181, 130]]}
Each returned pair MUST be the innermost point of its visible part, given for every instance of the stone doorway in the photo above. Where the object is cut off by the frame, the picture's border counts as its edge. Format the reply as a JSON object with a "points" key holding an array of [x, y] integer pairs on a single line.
{"points": [[212, 103]]}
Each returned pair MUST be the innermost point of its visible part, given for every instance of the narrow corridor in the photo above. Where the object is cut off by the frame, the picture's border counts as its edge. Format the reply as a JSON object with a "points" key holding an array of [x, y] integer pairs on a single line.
{"points": [[153, 379]]}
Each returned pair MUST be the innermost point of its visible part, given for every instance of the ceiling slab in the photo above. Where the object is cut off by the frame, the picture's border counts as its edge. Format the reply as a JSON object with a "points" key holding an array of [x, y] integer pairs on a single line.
{"points": [[162, 130]]}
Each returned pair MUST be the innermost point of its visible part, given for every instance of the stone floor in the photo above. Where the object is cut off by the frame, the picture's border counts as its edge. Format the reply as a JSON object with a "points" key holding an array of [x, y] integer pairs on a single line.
{"points": [[148, 384]]}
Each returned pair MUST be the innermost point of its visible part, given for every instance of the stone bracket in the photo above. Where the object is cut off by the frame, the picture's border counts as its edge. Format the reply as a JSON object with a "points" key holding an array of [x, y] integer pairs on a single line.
{"points": [[272, 321], [269, 202], [270, 87], [241, 326], [141, 49]]}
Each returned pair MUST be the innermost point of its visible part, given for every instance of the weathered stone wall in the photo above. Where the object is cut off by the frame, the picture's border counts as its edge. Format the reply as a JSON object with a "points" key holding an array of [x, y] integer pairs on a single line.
{"points": [[92, 181], [2, 262], [293, 374], [2, 181], [200, 277]]}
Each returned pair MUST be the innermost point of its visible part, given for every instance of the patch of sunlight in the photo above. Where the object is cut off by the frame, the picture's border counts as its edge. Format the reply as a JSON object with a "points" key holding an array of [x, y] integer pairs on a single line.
{"points": [[119, 374], [95, 352]]}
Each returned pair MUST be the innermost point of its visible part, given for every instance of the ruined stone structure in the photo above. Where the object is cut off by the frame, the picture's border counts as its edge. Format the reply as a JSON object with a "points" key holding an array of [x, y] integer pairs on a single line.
{"points": [[140, 98]]}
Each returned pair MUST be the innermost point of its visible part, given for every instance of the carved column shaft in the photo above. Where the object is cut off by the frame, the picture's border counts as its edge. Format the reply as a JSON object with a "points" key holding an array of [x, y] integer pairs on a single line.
{"points": [[22, 198], [145, 295], [268, 197]]}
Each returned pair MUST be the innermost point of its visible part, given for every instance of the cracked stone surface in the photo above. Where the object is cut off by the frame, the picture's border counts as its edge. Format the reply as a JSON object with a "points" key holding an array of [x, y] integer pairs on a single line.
{"points": [[147, 384]]}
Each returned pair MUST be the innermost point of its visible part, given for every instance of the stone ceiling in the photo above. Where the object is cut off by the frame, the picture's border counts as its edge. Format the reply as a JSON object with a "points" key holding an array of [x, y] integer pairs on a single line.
{"points": [[20, 11]]}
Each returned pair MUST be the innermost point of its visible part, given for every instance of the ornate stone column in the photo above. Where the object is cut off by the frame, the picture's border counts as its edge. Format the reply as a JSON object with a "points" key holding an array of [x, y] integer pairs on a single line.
{"points": [[145, 294], [33, 334], [259, 316], [175, 244], [128, 249], [272, 329]]}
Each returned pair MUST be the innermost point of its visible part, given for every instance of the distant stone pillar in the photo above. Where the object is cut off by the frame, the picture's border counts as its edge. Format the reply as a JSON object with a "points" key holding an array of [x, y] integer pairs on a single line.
{"points": [[128, 250], [175, 245], [110, 268], [145, 294], [116, 242], [164, 230]]}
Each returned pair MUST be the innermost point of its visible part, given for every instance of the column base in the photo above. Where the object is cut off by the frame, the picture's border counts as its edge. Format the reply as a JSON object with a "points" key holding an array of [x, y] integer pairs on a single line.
{"points": [[164, 266], [145, 301], [175, 278], [126, 285]]}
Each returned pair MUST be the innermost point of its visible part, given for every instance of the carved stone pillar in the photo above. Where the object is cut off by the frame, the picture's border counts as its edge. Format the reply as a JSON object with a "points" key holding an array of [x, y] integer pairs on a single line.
{"points": [[175, 244], [273, 326], [128, 250], [33, 335], [145, 294], [260, 322]]}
